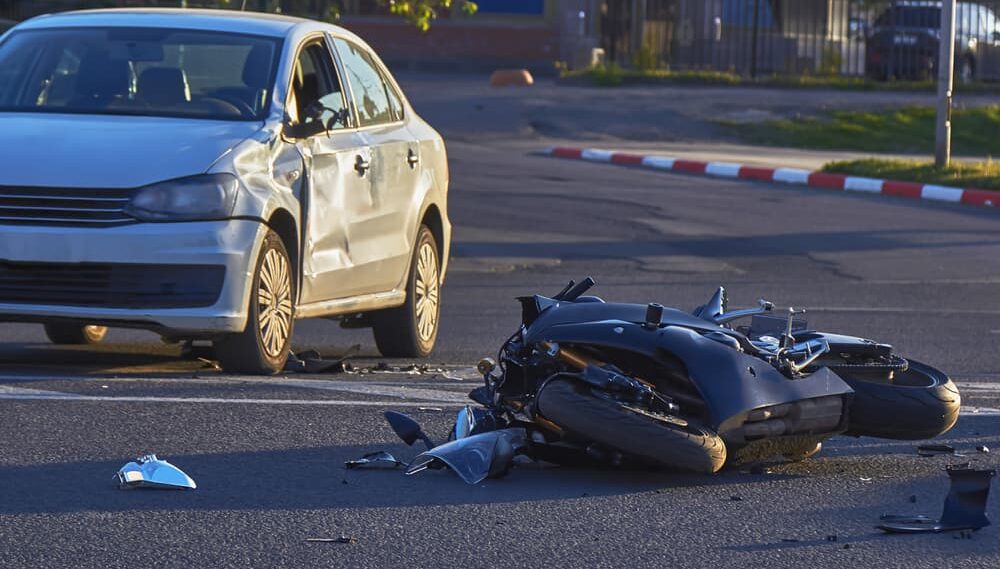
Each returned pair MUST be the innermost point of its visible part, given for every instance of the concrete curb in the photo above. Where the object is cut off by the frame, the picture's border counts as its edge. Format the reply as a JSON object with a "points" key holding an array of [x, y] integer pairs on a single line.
{"points": [[794, 176]]}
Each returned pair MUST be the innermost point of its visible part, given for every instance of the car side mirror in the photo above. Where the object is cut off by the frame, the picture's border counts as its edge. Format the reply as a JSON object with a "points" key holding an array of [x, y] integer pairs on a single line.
{"points": [[299, 130]]}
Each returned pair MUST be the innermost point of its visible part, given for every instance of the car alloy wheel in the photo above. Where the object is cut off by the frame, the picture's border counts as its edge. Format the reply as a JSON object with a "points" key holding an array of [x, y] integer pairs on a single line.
{"points": [[427, 291], [262, 347], [410, 331], [274, 303]]}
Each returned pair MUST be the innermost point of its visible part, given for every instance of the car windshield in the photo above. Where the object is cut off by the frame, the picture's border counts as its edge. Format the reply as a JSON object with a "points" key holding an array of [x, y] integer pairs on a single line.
{"points": [[137, 71]]}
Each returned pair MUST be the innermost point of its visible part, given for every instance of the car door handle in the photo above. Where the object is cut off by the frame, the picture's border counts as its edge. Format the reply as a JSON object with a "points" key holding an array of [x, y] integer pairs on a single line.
{"points": [[362, 165], [412, 159]]}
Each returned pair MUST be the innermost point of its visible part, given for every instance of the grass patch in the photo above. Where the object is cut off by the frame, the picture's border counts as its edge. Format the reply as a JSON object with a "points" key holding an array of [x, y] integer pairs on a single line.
{"points": [[910, 129], [612, 75], [983, 175]]}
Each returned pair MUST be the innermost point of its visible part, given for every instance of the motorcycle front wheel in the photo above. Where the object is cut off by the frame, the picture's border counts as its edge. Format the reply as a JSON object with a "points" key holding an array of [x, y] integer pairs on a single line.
{"points": [[919, 403], [662, 441]]}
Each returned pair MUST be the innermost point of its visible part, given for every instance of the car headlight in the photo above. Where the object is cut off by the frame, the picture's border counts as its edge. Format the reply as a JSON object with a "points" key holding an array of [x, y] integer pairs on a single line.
{"points": [[211, 196]]}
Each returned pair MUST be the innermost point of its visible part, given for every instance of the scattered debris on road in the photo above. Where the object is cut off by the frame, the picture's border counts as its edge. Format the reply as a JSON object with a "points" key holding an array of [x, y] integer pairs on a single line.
{"points": [[147, 471], [378, 459], [341, 539], [983, 449], [964, 507], [935, 450]]}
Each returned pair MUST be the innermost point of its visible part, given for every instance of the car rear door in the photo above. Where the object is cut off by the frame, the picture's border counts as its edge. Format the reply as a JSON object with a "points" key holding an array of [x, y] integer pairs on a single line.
{"points": [[391, 224]]}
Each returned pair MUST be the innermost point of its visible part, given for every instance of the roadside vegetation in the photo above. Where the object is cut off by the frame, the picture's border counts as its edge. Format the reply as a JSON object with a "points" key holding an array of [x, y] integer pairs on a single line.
{"points": [[613, 75], [983, 175], [907, 130]]}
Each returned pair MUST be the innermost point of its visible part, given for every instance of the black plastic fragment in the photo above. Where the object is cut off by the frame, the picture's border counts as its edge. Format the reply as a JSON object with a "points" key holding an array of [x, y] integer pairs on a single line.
{"points": [[935, 450], [964, 507]]}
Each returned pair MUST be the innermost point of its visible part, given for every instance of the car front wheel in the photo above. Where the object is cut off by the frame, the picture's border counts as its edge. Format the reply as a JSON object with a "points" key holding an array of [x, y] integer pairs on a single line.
{"points": [[262, 347], [410, 331]]}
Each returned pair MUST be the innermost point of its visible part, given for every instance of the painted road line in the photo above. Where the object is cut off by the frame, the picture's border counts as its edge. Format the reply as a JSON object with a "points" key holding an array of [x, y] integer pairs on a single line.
{"points": [[723, 169], [21, 394], [871, 185]]}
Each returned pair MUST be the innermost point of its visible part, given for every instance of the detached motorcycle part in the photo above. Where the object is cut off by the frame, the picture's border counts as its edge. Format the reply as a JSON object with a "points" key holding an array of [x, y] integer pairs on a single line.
{"points": [[477, 457], [378, 459], [408, 429], [151, 472], [964, 507], [919, 403], [677, 445]]}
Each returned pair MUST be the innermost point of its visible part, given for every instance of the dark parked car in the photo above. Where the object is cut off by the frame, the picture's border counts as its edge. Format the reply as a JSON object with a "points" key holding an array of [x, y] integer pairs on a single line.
{"points": [[905, 40]]}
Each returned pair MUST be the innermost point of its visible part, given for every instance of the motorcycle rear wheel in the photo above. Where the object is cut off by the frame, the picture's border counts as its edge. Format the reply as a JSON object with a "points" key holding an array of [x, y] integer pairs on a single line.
{"points": [[920, 403], [676, 445]]}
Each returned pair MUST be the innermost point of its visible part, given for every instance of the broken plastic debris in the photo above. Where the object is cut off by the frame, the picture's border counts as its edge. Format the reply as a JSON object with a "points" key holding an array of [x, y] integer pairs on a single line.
{"points": [[341, 539], [983, 449], [150, 472], [935, 450], [379, 459], [964, 507]]}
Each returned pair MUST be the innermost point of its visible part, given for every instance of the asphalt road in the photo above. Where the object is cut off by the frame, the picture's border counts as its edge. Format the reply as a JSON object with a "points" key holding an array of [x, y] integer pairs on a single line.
{"points": [[267, 453]]}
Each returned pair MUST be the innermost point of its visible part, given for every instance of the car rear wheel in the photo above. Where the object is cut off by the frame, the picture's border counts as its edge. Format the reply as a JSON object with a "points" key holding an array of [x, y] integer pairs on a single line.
{"points": [[262, 347], [75, 334], [410, 331]]}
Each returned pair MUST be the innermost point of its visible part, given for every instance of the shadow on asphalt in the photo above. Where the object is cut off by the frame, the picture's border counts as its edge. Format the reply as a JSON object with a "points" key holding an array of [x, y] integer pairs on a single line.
{"points": [[314, 478]]}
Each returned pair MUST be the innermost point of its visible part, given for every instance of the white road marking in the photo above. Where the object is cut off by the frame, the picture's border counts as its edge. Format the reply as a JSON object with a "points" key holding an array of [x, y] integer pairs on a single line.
{"points": [[791, 175], [16, 393], [596, 155], [723, 169], [658, 162], [871, 185], [941, 193]]}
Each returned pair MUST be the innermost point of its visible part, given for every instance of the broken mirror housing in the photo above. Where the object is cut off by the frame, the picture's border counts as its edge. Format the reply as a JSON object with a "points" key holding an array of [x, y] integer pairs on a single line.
{"points": [[150, 472]]}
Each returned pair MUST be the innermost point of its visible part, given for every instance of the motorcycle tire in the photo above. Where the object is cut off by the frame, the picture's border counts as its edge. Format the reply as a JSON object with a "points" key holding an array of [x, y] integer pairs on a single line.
{"points": [[574, 406], [920, 403]]}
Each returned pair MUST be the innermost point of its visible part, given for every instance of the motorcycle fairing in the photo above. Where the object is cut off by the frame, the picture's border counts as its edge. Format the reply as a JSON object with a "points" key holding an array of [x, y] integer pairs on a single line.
{"points": [[731, 382], [476, 457]]}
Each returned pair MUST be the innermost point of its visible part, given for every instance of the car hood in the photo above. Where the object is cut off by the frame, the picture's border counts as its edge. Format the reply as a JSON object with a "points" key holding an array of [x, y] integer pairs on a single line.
{"points": [[107, 151]]}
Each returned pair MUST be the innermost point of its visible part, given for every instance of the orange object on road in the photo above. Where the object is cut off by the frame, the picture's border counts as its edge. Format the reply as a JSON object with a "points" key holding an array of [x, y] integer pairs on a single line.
{"points": [[516, 77]]}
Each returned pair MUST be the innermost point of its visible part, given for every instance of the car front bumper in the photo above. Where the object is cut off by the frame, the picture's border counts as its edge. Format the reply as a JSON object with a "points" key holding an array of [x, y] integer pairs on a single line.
{"points": [[68, 266]]}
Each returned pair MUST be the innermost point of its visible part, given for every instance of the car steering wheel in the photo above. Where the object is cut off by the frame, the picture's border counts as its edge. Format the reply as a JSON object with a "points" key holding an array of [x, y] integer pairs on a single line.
{"points": [[245, 109]]}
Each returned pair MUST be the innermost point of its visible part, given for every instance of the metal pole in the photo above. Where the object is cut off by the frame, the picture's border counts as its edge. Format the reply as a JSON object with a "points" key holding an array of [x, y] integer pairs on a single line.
{"points": [[754, 39], [946, 82]]}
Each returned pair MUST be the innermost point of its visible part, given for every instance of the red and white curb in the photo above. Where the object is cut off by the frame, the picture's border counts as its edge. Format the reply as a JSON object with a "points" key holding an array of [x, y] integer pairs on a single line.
{"points": [[795, 176]]}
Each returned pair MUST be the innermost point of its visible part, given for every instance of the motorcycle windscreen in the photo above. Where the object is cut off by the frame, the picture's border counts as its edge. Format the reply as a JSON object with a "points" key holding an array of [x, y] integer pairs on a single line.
{"points": [[476, 457]]}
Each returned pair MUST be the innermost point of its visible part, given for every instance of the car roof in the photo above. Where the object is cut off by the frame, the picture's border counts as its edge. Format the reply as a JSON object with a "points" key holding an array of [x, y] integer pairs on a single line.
{"points": [[233, 21]]}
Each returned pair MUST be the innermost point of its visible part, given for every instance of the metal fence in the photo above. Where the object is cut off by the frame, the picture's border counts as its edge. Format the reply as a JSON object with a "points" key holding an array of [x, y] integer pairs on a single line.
{"points": [[880, 39]]}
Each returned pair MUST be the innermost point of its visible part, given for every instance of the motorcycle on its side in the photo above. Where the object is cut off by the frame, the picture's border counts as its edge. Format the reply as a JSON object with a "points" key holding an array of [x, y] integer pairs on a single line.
{"points": [[584, 381]]}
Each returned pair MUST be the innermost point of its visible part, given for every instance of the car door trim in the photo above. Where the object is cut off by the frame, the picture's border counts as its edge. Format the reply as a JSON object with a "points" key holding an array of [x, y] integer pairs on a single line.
{"points": [[354, 304]]}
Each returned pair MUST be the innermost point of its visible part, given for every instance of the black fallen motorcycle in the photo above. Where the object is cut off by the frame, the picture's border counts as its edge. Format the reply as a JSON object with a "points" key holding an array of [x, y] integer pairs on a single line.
{"points": [[587, 381]]}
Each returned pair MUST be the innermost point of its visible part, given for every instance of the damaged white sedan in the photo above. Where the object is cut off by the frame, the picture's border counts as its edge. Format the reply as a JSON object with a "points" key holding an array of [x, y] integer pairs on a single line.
{"points": [[215, 175]]}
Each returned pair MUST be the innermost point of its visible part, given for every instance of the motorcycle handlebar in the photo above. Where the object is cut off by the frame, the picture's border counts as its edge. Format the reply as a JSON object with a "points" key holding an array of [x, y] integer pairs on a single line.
{"points": [[575, 291]]}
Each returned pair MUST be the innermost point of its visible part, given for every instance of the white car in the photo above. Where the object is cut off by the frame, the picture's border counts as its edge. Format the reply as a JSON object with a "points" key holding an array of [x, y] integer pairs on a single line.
{"points": [[215, 175]]}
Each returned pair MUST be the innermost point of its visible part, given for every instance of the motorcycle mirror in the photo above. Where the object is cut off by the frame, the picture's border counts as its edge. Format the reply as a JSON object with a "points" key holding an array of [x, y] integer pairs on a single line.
{"points": [[407, 429]]}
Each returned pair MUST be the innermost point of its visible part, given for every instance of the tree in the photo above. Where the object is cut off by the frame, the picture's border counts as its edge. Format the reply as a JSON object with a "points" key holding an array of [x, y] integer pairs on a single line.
{"points": [[421, 12]]}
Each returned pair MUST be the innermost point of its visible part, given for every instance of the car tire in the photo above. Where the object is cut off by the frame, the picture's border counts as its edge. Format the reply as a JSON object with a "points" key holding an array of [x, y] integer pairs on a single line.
{"points": [[410, 330], [262, 347], [75, 334]]}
